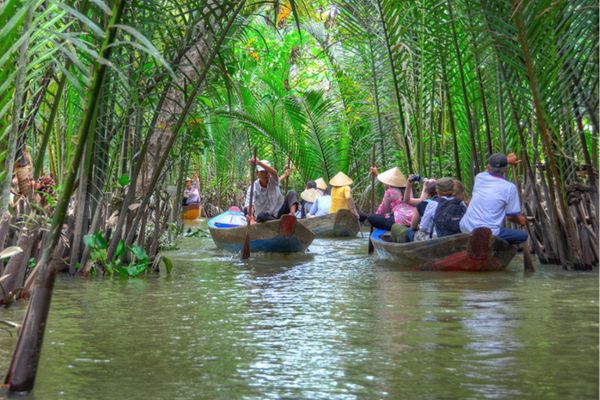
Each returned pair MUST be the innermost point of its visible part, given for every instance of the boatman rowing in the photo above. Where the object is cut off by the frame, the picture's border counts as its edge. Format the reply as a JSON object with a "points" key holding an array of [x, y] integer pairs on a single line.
{"points": [[495, 198], [268, 202]]}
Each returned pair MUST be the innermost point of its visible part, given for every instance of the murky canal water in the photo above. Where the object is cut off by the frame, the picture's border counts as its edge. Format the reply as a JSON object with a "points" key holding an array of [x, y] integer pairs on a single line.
{"points": [[331, 324]]}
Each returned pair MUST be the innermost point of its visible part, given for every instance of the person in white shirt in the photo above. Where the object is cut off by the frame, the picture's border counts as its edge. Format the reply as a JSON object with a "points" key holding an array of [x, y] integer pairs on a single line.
{"points": [[268, 202], [494, 199], [190, 193]]}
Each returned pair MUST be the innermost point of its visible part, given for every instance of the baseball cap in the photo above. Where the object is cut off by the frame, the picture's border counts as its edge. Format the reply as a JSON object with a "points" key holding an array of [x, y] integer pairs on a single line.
{"points": [[498, 160]]}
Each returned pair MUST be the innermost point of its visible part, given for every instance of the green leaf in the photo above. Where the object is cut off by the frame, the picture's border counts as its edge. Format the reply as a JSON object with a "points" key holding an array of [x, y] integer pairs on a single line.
{"points": [[89, 240], [122, 271], [124, 180], [139, 253], [120, 249], [101, 242], [137, 269]]}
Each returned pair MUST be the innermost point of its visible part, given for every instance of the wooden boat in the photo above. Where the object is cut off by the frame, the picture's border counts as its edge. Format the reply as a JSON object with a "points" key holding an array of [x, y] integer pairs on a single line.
{"points": [[191, 211], [285, 235], [478, 251], [340, 224]]}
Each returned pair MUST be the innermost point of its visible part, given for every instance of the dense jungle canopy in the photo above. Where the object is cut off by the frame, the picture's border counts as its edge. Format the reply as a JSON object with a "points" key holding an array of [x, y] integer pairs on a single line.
{"points": [[106, 106], [109, 104]]}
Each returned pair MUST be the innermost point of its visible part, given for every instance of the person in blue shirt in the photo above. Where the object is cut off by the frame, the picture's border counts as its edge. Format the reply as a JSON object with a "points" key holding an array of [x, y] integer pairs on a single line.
{"points": [[321, 205]]}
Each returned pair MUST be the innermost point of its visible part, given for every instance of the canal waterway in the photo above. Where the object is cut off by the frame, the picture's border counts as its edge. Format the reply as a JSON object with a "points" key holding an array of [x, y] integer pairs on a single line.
{"points": [[330, 324]]}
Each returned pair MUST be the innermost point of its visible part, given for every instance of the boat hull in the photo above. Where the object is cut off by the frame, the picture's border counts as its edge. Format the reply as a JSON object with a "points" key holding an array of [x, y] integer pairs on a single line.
{"points": [[191, 211], [340, 224], [279, 236], [476, 252]]}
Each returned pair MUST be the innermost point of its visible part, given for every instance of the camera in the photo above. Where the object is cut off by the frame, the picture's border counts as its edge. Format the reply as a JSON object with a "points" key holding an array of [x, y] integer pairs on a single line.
{"points": [[415, 178]]}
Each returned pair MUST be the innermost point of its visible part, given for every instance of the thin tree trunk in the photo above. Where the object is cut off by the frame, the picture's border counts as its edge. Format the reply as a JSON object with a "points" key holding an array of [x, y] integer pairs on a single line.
{"points": [[388, 43], [500, 112], [39, 160], [451, 118], [574, 253], [472, 132], [17, 267], [377, 104], [14, 134], [23, 366]]}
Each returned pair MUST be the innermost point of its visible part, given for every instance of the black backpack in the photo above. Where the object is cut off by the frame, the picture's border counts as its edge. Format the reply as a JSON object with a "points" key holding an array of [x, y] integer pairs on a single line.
{"points": [[447, 216]]}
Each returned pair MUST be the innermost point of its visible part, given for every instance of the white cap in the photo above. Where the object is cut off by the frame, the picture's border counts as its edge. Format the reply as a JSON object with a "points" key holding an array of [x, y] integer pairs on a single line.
{"points": [[259, 168]]}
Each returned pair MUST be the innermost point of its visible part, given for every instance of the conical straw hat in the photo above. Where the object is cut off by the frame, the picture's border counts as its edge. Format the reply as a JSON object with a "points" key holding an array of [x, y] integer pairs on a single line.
{"points": [[310, 195], [392, 177], [340, 179], [321, 184]]}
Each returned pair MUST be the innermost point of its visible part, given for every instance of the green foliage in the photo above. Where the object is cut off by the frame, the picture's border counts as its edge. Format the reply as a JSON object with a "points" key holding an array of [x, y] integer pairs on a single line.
{"points": [[99, 255], [123, 180]]}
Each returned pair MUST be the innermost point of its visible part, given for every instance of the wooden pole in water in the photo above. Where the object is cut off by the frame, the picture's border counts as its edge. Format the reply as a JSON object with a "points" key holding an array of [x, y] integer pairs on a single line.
{"points": [[371, 248], [246, 249], [527, 261]]}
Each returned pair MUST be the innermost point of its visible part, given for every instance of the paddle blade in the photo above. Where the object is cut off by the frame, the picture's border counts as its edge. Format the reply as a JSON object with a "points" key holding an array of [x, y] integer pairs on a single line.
{"points": [[246, 249], [371, 248], [527, 260], [287, 225]]}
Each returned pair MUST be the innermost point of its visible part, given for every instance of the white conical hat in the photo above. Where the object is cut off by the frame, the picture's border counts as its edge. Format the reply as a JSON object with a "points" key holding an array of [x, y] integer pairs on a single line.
{"points": [[321, 184], [392, 177], [310, 195], [340, 179]]}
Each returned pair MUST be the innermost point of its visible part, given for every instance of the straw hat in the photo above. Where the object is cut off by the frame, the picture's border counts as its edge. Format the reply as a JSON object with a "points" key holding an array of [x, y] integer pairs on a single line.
{"points": [[340, 179], [321, 184], [392, 177], [310, 195]]}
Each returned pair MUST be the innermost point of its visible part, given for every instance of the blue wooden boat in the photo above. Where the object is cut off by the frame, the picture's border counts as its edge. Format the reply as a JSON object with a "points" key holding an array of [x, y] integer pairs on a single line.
{"points": [[285, 235], [475, 252]]}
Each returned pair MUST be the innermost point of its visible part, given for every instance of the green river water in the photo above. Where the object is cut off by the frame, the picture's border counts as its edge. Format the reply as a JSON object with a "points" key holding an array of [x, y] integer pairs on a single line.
{"points": [[330, 324]]}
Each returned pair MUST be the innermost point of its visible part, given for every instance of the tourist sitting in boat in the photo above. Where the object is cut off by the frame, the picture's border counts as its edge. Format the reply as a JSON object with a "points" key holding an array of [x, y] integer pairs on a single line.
{"points": [[268, 201], [494, 199], [341, 194], [428, 194], [459, 192], [393, 209], [308, 198], [443, 213], [322, 205], [408, 192], [321, 185], [190, 193]]}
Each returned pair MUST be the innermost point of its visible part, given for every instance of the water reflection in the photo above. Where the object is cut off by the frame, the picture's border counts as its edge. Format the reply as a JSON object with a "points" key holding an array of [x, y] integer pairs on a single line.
{"points": [[330, 324]]}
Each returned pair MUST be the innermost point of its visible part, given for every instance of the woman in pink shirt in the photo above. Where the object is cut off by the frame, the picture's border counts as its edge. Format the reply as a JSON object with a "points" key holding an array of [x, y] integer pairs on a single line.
{"points": [[393, 209]]}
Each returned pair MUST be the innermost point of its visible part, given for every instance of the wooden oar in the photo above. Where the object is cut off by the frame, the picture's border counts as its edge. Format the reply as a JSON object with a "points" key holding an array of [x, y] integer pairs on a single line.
{"points": [[371, 248], [246, 249], [527, 261]]}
